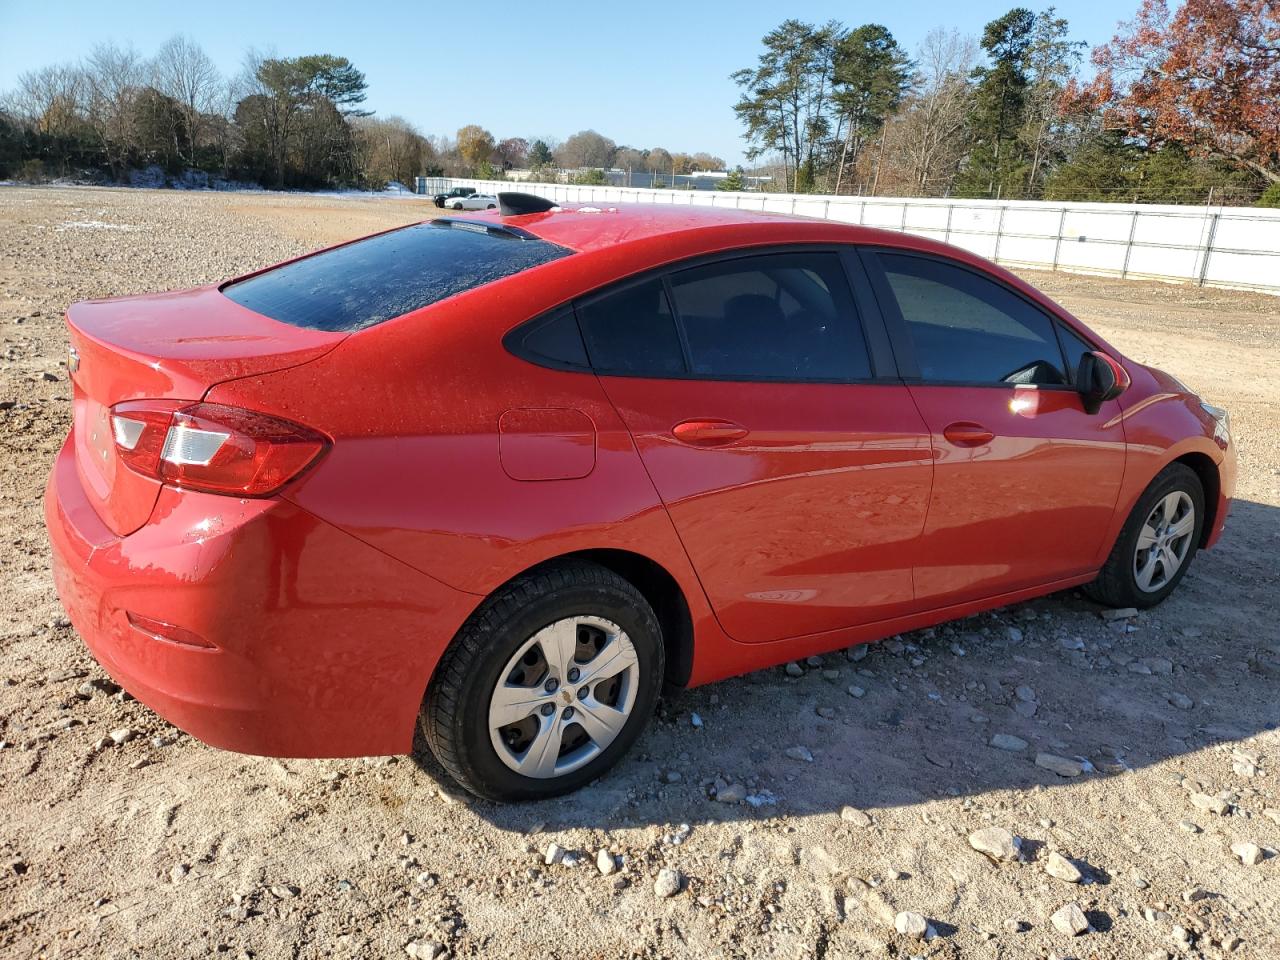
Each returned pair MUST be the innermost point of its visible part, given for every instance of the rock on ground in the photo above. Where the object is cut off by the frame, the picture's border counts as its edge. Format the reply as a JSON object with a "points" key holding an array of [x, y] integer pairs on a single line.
{"points": [[605, 862], [996, 842], [1007, 741], [855, 816], [1070, 919], [1062, 766], [668, 882], [1059, 866], [1250, 854], [912, 925]]}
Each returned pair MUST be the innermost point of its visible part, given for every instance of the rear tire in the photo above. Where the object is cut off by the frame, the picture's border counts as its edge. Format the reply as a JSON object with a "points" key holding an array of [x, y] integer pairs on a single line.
{"points": [[546, 685], [1157, 543]]}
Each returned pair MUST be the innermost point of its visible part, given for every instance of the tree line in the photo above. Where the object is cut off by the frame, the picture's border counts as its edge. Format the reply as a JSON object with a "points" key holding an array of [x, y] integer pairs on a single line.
{"points": [[1180, 107], [585, 155], [280, 122], [283, 122]]}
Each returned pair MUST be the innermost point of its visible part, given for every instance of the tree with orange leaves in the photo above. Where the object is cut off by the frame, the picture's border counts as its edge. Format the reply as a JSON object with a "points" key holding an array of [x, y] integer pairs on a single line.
{"points": [[1206, 76]]}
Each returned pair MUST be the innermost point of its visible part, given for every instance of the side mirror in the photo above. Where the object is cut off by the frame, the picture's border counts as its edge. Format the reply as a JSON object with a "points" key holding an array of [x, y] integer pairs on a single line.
{"points": [[1100, 378]]}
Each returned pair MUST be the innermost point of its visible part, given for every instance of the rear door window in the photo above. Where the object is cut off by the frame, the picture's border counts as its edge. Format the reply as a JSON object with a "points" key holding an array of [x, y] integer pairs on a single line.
{"points": [[971, 330], [370, 281], [785, 316]]}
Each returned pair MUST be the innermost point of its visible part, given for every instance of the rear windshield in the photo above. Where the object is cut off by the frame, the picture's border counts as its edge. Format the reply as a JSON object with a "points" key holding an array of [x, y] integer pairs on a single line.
{"points": [[369, 281]]}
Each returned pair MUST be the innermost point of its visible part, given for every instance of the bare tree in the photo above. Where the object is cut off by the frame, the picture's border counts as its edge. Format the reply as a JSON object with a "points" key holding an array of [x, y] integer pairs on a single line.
{"points": [[389, 149], [114, 76], [183, 71], [50, 102], [1051, 63], [51, 99], [226, 134], [586, 148], [629, 159], [659, 160], [925, 140]]}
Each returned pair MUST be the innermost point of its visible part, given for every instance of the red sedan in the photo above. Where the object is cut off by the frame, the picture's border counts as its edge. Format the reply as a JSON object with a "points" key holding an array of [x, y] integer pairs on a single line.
{"points": [[499, 476]]}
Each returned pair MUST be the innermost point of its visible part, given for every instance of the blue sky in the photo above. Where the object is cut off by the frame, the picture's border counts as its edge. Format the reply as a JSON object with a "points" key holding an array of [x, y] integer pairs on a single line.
{"points": [[644, 74]]}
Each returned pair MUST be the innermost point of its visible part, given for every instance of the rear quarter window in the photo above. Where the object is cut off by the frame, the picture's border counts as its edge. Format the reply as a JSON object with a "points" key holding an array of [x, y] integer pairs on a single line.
{"points": [[370, 281]]}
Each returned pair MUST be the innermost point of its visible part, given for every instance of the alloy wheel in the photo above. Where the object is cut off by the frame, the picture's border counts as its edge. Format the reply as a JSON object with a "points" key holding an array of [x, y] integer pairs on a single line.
{"points": [[1164, 541]]}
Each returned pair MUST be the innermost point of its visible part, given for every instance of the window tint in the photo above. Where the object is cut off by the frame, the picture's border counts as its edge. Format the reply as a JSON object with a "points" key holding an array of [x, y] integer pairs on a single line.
{"points": [[781, 316], [633, 332], [369, 281], [1075, 347], [967, 329], [554, 339]]}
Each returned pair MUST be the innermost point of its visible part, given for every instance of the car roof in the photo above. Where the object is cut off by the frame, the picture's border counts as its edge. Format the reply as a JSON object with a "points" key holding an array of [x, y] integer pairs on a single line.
{"points": [[587, 227]]}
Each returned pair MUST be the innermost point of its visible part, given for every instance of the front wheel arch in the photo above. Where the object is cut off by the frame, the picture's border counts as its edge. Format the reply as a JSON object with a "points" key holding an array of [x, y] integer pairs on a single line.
{"points": [[1211, 483], [1117, 584]]}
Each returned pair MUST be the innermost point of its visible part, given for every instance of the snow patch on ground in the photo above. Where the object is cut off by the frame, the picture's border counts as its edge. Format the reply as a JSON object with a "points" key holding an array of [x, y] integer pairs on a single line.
{"points": [[154, 178], [95, 225]]}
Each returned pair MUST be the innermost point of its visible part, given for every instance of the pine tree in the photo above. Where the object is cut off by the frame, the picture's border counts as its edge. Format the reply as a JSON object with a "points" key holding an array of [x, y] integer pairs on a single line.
{"points": [[997, 158]]}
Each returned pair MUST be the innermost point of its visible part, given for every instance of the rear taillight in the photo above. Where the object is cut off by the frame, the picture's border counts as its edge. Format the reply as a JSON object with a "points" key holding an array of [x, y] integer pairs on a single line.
{"points": [[211, 447]]}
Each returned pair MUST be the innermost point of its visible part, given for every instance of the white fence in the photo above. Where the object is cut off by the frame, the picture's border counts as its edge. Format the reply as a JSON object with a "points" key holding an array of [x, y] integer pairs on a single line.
{"points": [[1209, 246]]}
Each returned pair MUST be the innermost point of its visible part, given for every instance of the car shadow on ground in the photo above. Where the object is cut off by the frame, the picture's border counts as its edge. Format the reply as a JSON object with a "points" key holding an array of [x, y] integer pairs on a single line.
{"points": [[1110, 695]]}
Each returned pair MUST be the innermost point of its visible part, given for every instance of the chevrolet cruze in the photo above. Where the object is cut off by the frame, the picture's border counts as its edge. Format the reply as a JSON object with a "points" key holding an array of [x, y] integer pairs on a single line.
{"points": [[501, 476]]}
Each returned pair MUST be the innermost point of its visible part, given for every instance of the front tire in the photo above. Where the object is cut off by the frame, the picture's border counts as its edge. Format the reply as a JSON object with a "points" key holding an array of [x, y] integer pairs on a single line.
{"points": [[546, 685], [1156, 544]]}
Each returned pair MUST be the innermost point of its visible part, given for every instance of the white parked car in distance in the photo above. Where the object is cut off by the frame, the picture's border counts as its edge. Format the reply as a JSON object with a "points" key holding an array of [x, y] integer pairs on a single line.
{"points": [[477, 201]]}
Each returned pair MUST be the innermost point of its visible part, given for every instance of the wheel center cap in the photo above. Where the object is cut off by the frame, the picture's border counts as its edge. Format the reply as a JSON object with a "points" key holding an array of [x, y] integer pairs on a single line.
{"points": [[566, 695]]}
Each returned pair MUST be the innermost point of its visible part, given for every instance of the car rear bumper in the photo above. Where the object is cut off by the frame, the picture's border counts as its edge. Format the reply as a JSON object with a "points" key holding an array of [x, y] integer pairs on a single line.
{"points": [[318, 645]]}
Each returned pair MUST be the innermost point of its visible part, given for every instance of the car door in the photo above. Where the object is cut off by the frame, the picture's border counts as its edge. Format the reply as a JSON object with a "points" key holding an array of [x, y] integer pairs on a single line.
{"points": [[769, 416], [1025, 481]]}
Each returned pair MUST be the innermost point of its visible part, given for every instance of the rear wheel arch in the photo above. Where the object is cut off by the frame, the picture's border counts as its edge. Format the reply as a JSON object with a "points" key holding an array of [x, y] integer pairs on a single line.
{"points": [[656, 584], [457, 718], [664, 594]]}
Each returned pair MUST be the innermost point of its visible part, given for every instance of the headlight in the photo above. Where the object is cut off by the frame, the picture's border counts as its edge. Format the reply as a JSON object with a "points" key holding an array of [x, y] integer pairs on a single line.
{"points": [[1223, 420]]}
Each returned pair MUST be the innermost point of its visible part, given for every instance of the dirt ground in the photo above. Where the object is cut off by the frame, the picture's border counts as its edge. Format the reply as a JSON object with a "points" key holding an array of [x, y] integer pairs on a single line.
{"points": [[163, 847]]}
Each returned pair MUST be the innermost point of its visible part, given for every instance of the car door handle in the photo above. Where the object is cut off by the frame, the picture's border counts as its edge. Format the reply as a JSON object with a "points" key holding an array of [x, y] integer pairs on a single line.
{"points": [[708, 433], [964, 433]]}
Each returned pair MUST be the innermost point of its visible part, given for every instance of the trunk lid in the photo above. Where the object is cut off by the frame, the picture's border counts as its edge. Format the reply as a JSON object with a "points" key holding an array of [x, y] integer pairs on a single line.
{"points": [[170, 346]]}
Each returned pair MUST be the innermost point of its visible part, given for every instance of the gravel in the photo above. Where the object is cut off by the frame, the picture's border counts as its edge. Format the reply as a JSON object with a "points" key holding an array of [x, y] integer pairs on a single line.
{"points": [[782, 872]]}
